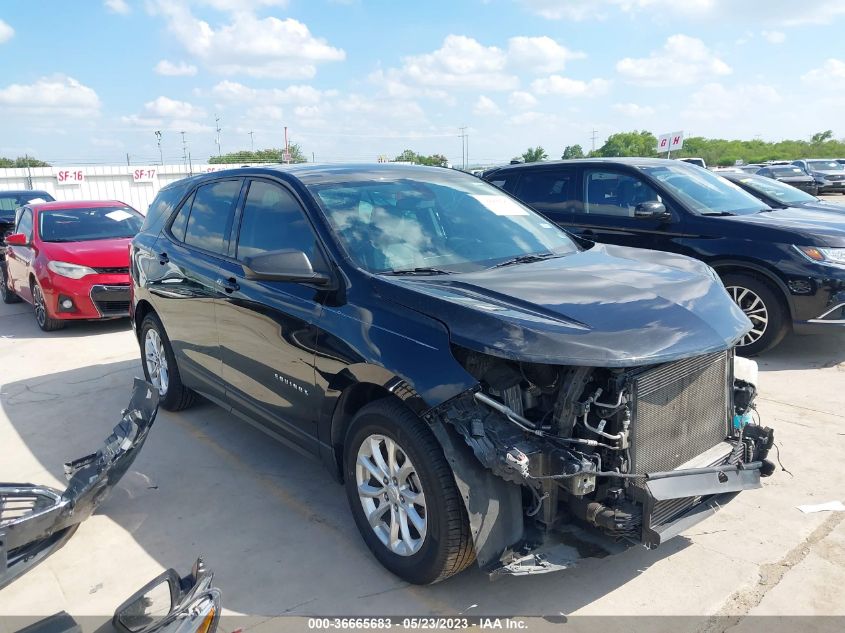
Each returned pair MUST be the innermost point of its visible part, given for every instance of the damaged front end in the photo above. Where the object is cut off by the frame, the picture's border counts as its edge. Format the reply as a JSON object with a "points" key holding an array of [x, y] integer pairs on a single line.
{"points": [[35, 521], [609, 457]]}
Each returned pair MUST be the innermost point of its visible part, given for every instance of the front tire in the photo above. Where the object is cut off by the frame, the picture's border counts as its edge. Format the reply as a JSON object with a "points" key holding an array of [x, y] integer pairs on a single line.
{"points": [[42, 316], [762, 305], [6, 293], [403, 496], [160, 367]]}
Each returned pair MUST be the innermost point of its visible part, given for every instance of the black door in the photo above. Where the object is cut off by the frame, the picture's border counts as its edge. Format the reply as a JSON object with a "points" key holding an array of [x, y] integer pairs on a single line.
{"points": [[266, 328], [606, 214], [185, 283]]}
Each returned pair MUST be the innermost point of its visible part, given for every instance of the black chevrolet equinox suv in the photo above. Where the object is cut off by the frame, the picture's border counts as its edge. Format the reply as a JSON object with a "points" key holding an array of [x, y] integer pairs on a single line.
{"points": [[478, 379], [784, 267]]}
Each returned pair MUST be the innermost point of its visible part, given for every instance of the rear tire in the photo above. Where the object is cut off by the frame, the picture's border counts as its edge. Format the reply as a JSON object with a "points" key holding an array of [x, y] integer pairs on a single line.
{"points": [[42, 316], [160, 368], [431, 540], [764, 307], [6, 293]]}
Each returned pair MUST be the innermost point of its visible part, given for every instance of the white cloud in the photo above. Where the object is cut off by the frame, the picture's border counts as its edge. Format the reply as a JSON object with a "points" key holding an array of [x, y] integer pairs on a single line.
{"points": [[539, 54], [714, 101], [485, 106], [178, 69], [633, 110], [682, 61], [774, 37], [258, 47], [558, 85], [830, 75], [168, 108], [522, 100], [779, 12], [117, 6], [6, 32], [234, 92], [57, 94], [161, 123]]}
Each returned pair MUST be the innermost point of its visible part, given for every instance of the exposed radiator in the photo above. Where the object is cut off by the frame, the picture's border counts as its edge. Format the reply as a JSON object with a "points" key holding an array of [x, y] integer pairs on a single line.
{"points": [[680, 410]]}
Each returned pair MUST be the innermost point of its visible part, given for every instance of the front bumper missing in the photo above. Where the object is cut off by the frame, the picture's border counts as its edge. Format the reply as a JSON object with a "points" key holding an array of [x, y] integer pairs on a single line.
{"points": [[35, 521]]}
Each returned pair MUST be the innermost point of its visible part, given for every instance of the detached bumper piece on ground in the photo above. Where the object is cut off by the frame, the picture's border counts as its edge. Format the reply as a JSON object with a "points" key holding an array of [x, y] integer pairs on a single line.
{"points": [[35, 521]]}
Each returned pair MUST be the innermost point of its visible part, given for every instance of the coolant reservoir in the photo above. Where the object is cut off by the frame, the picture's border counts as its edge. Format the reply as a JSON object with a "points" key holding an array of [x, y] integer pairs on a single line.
{"points": [[745, 369]]}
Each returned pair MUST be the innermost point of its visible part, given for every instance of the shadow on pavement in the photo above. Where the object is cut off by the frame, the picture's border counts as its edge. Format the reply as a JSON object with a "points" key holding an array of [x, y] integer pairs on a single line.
{"points": [[805, 352], [271, 523], [18, 322]]}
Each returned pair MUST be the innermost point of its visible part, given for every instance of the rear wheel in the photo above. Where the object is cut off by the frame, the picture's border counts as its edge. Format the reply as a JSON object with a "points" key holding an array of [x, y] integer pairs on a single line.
{"points": [[160, 367], [6, 293], [42, 316], [768, 315], [403, 495]]}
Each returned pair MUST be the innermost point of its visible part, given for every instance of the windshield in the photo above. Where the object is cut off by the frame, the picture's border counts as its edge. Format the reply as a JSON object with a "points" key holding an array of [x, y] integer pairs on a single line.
{"points": [[825, 165], [79, 225], [703, 191], [388, 222], [777, 190], [784, 172]]}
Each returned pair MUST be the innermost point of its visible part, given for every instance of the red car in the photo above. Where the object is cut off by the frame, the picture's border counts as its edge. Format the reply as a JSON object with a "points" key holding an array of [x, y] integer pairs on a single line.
{"points": [[70, 260]]}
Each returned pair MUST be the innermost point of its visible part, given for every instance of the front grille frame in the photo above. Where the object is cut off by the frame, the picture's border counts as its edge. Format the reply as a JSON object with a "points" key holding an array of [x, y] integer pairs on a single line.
{"points": [[715, 428], [111, 300]]}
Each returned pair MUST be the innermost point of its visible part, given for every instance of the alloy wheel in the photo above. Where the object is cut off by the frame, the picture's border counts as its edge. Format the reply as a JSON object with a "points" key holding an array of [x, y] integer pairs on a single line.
{"points": [[391, 495], [39, 305], [156, 360], [754, 308]]}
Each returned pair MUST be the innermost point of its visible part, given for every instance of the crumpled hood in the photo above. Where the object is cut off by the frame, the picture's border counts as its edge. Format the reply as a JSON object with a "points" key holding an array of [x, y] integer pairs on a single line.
{"points": [[608, 306], [820, 227]]}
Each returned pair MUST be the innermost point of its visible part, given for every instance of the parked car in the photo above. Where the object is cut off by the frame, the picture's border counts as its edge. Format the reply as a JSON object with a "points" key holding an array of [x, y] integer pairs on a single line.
{"points": [[779, 195], [473, 374], [694, 161], [784, 267], [70, 260], [791, 175], [750, 169], [829, 174], [9, 203]]}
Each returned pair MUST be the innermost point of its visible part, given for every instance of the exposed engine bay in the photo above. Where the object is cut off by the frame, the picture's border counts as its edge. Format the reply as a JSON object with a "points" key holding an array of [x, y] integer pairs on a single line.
{"points": [[635, 453]]}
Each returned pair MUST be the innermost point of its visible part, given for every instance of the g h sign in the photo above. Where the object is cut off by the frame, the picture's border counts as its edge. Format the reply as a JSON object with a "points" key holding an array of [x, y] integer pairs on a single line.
{"points": [[670, 142]]}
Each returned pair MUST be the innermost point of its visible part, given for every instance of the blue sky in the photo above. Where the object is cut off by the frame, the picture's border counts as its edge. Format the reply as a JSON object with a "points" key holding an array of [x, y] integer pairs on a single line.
{"points": [[354, 79]]}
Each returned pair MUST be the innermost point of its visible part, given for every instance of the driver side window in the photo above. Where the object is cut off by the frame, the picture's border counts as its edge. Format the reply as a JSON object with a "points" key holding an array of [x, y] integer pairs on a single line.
{"points": [[612, 193]]}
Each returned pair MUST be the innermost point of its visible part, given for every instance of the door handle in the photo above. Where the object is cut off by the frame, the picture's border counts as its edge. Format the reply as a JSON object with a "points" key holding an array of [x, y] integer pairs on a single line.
{"points": [[163, 258], [229, 285]]}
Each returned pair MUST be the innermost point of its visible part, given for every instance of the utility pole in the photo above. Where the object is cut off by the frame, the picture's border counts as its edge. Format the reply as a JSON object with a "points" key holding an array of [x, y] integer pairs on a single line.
{"points": [[160, 155], [184, 149], [464, 147], [127, 159], [217, 138], [594, 136], [287, 146], [251, 141]]}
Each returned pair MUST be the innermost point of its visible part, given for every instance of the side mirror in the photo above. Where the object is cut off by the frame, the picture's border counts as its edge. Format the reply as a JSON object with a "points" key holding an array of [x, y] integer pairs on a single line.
{"points": [[284, 265], [150, 605], [652, 210], [17, 239]]}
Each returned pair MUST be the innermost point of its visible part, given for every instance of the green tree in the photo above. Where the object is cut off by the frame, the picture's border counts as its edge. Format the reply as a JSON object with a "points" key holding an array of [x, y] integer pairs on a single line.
{"points": [[271, 155], [534, 154], [22, 161], [822, 137], [636, 143], [410, 156], [572, 151]]}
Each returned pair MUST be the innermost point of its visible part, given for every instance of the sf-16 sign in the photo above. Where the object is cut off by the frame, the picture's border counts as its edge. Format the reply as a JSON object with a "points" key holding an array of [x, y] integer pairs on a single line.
{"points": [[71, 176]]}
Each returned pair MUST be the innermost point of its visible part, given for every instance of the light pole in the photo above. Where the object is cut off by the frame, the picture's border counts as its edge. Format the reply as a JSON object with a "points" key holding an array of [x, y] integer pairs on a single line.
{"points": [[158, 140]]}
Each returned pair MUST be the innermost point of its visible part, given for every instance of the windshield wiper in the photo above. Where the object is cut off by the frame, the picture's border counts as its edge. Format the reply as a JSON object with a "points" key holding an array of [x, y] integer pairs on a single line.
{"points": [[420, 270], [719, 213], [526, 259]]}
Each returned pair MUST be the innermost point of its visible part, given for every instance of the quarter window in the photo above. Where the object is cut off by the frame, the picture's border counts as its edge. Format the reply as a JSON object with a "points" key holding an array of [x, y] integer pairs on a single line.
{"points": [[551, 190], [180, 222], [211, 216], [611, 193], [25, 224], [273, 220]]}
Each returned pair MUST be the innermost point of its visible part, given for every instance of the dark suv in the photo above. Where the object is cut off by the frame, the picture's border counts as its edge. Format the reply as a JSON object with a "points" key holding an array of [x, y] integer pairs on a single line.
{"points": [[784, 267], [475, 376]]}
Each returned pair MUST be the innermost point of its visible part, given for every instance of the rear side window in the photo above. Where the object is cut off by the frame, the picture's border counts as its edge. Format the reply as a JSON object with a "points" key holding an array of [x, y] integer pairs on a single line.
{"points": [[211, 216], [273, 220], [162, 207], [547, 188]]}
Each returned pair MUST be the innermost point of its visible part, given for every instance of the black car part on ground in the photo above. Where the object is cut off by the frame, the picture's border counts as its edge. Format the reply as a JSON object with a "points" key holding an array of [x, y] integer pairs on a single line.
{"points": [[35, 521]]}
